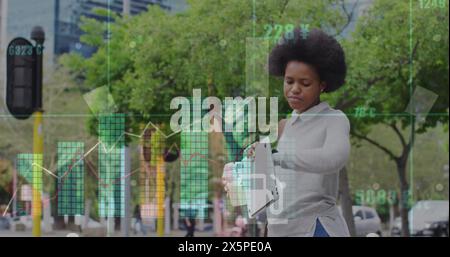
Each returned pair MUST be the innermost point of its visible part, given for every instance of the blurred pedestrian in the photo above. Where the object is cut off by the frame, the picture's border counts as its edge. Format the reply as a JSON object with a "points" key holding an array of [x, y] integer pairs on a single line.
{"points": [[189, 222], [138, 220]]}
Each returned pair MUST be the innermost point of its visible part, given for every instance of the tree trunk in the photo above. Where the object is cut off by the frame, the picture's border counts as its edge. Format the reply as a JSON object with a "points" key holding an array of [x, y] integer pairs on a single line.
{"points": [[58, 221], [117, 222], [71, 220], [173, 218], [71, 223], [217, 215], [404, 196], [346, 201], [216, 153]]}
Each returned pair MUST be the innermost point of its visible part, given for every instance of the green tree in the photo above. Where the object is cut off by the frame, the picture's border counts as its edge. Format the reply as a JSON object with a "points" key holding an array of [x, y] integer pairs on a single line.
{"points": [[391, 52], [150, 58], [155, 56]]}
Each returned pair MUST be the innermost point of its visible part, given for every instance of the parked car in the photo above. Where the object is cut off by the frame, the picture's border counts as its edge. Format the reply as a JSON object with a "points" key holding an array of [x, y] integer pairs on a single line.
{"points": [[436, 229], [426, 218], [366, 221]]}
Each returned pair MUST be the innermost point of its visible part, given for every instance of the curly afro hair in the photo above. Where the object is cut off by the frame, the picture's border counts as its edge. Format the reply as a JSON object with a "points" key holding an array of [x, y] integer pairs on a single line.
{"points": [[317, 49]]}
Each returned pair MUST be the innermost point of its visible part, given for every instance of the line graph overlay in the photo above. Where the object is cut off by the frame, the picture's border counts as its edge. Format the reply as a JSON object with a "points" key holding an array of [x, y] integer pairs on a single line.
{"points": [[28, 164]]}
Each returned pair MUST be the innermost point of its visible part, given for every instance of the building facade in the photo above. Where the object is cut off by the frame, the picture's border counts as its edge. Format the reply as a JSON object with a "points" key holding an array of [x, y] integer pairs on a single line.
{"points": [[60, 20], [3, 45], [69, 12]]}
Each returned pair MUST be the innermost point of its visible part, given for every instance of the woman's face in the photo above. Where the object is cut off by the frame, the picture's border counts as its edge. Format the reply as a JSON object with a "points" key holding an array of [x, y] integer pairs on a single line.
{"points": [[302, 86]]}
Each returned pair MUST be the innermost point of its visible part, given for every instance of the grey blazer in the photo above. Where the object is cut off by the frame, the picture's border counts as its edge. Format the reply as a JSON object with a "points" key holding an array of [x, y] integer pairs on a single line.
{"points": [[312, 150]]}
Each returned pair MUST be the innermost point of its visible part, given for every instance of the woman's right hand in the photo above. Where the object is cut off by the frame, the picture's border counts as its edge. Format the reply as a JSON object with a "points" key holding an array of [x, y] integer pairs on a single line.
{"points": [[227, 177], [250, 151]]}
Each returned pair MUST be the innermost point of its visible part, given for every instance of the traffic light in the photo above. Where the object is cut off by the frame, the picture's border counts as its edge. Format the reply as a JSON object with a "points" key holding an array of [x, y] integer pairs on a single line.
{"points": [[21, 92]]}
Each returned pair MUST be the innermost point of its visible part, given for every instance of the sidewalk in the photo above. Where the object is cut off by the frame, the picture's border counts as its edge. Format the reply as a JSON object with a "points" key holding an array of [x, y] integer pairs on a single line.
{"points": [[64, 233]]}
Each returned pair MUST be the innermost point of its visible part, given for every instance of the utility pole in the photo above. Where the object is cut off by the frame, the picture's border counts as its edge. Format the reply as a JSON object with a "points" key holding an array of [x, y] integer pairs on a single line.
{"points": [[38, 35]]}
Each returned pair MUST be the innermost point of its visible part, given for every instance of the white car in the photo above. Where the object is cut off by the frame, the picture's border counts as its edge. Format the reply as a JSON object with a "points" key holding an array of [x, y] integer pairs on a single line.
{"points": [[366, 220], [426, 218]]}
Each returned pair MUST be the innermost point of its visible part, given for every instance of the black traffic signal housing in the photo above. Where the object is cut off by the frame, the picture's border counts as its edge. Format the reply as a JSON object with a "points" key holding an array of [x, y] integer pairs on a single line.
{"points": [[21, 91]]}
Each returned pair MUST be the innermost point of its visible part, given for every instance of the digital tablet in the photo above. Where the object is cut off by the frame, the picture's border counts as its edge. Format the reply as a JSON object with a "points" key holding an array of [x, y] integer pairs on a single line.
{"points": [[262, 185]]}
